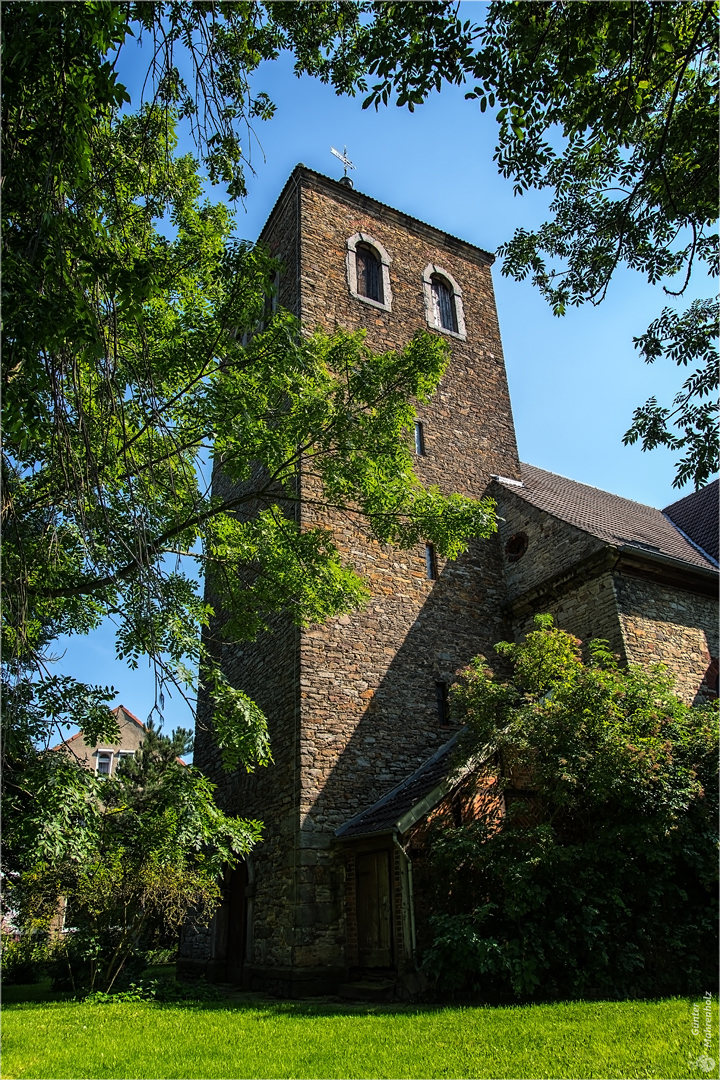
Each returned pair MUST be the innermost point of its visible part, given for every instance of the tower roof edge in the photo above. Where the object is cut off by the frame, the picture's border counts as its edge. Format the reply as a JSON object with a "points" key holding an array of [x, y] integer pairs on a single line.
{"points": [[302, 175]]}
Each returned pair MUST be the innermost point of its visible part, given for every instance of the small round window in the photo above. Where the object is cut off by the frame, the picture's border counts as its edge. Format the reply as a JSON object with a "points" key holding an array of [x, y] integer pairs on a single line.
{"points": [[516, 546]]}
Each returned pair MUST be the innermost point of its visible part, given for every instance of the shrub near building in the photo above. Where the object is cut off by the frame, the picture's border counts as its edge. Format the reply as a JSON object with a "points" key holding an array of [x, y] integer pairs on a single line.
{"points": [[603, 878]]}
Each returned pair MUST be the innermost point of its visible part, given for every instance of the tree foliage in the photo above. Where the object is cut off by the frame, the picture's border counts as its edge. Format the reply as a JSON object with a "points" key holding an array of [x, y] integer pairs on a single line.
{"points": [[141, 347], [612, 108], [603, 876], [145, 846]]}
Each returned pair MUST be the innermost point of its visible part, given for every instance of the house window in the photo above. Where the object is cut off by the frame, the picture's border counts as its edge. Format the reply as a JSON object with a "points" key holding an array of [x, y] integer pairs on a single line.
{"points": [[66, 922], [419, 438], [443, 703], [368, 271], [430, 562], [104, 763], [443, 302]]}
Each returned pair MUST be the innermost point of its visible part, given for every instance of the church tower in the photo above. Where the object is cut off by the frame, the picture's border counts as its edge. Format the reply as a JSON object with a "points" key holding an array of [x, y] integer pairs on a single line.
{"points": [[358, 705]]}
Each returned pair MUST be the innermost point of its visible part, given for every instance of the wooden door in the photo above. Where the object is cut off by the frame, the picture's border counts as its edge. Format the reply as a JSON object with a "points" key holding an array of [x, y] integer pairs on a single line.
{"points": [[374, 909], [237, 923]]}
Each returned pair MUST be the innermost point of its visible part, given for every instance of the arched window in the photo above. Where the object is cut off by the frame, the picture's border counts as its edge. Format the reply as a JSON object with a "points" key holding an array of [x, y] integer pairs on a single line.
{"points": [[368, 271], [443, 302]]}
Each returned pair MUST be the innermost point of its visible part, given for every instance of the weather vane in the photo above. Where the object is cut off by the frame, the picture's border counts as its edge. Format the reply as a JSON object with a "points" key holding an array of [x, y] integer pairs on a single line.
{"points": [[346, 162]]}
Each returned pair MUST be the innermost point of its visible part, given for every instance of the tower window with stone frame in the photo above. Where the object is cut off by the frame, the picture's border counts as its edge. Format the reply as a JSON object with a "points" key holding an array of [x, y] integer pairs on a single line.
{"points": [[368, 271], [442, 700], [443, 302]]}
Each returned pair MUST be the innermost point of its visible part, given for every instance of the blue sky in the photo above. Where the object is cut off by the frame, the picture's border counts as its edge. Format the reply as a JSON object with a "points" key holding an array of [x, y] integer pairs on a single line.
{"points": [[573, 381]]}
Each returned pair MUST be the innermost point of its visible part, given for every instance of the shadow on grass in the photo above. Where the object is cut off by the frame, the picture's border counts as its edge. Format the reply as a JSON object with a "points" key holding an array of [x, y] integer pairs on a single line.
{"points": [[258, 1003]]}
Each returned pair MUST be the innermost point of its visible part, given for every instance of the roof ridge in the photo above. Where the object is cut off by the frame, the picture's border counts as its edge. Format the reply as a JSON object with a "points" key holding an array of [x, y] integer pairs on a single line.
{"points": [[348, 191], [591, 487], [131, 715]]}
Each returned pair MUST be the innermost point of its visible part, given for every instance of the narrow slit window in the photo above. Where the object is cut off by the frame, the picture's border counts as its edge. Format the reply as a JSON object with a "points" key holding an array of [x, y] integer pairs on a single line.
{"points": [[419, 438], [430, 562], [444, 303], [443, 703], [369, 273]]}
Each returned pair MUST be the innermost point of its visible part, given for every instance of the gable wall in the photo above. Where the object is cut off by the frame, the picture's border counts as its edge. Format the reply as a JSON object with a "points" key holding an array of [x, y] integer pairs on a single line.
{"points": [[585, 606], [131, 735], [588, 610], [553, 545]]}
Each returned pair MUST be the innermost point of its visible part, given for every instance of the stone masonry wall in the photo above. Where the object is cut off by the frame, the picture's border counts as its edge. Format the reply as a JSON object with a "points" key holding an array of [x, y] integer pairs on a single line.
{"points": [[267, 670], [662, 624], [585, 606], [588, 611]]}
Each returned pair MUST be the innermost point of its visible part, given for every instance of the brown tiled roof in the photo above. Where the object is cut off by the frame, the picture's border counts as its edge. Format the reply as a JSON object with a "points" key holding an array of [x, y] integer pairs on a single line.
{"points": [[611, 518], [386, 813], [697, 516]]}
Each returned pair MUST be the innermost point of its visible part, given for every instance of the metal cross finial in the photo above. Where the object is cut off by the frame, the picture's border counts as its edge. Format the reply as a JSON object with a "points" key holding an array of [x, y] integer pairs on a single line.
{"points": [[343, 157]]}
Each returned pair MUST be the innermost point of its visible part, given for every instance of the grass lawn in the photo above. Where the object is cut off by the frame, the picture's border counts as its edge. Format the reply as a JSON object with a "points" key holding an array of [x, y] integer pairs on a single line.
{"points": [[259, 1038]]}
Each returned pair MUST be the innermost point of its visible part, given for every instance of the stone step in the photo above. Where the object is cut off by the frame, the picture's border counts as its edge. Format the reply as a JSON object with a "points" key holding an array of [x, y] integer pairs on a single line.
{"points": [[373, 990]]}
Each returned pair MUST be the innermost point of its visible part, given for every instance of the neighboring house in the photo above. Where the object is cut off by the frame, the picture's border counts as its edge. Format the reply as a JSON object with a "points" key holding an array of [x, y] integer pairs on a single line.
{"points": [[363, 742], [103, 758]]}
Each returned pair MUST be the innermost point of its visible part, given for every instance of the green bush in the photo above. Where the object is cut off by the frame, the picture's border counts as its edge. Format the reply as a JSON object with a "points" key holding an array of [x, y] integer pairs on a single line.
{"points": [[609, 885], [162, 954], [22, 960], [77, 958], [152, 846], [165, 990]]}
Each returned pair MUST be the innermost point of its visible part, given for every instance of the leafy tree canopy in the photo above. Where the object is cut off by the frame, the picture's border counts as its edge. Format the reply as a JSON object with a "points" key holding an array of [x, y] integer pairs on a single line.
{"points": [[140, 342], [603, 875], [148, 845], [612, 108]]}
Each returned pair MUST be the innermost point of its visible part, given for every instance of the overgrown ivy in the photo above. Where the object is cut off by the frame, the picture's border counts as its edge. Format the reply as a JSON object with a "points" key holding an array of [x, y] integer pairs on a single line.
{"points": [[602, 878]]}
